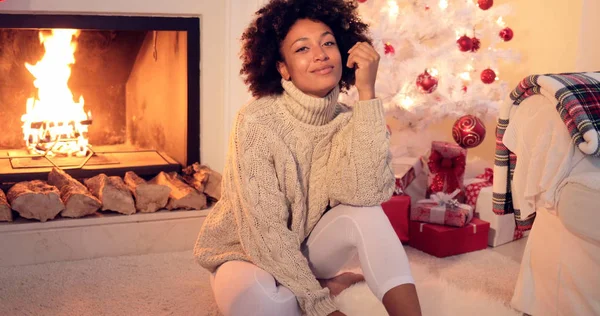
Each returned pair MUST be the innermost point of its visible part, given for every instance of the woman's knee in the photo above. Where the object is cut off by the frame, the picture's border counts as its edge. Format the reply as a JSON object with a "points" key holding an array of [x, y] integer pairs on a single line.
{"points": [[241, 288]]}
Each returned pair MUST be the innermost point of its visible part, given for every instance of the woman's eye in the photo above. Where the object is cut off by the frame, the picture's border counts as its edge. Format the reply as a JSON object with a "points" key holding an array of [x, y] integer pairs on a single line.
{"points": [[301, 49], [330, 43]]}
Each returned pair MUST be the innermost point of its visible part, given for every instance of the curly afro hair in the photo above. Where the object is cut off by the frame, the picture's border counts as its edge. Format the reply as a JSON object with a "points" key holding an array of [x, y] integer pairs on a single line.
{"points": [[261, 41]]}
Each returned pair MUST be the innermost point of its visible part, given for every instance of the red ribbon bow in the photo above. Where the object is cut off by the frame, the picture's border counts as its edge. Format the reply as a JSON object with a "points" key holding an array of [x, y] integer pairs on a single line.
{"points": [[446, 171]]}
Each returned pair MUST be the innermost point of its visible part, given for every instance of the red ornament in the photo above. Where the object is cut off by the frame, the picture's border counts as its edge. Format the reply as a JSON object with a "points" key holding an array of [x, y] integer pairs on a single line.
{"points": [[506, 34], [426, 7], [488, 76], [464, 43], [485, 4], [476, 44], [388, 48], [464, 89], [362, 1], [426, 83], [468, 131]]}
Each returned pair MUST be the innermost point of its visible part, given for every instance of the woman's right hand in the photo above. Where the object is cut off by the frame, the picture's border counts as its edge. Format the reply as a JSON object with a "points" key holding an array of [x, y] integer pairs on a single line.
{"points": [[337, 313]]}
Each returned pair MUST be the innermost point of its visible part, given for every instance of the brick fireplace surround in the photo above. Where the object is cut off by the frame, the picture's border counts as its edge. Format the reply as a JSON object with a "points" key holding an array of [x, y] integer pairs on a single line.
{"points": [[222, 93]]}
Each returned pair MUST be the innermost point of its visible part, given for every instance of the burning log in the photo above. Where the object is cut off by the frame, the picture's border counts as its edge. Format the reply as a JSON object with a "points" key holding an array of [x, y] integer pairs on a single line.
{"points": [[112, 192], [182, 195], [148, 197], [203, 179], [5, 212], [35, 199], [77, 198], [48, 125]]}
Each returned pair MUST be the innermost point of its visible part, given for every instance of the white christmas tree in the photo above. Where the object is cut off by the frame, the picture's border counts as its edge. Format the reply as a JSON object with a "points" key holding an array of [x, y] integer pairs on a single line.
{"points": [[439, 58]]}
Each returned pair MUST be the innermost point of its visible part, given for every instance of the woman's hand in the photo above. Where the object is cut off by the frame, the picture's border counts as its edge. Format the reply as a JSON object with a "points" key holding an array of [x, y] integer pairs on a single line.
{"points": [[366, 60]]}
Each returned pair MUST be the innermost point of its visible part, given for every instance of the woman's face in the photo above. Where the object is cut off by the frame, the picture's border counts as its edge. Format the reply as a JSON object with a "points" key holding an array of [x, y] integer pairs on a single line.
{"points": [[311, 58]]}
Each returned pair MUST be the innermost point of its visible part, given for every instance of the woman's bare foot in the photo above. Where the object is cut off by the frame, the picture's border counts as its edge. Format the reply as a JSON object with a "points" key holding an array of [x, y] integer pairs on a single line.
{"points": [[341, 282]]}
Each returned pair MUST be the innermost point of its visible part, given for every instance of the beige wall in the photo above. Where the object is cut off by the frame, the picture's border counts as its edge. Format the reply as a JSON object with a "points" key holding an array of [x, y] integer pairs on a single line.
{"points": [[550, 39], [588, 58]]}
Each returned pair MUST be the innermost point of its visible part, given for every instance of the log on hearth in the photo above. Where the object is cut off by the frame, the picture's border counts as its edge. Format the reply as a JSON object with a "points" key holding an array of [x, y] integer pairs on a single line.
{"points": [[112, 192], [35, 200], [5, 212], [149, 197], [77, 198], [182, 196], [203, 179]]}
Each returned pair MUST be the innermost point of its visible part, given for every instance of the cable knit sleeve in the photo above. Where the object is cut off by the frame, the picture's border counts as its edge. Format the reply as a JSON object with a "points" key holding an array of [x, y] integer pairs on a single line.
{"points": [[359, 166], [263, 215]]}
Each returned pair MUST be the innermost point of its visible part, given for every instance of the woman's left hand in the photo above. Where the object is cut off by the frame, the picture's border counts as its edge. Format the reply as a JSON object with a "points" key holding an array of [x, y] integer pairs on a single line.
{"points": [[366, 60]]}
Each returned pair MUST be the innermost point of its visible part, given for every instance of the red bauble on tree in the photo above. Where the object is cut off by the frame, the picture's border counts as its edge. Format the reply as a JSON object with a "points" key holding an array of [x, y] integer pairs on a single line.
{"points": [[468, 131], [485, 4], [488, 76], [464, 43], [362, 1], [388, 48], [506, 34], [476, 44], [426, 83]]}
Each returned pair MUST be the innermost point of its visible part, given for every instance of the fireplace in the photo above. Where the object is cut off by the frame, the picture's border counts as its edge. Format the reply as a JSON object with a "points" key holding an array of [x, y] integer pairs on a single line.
{"points": [[98, 94]]}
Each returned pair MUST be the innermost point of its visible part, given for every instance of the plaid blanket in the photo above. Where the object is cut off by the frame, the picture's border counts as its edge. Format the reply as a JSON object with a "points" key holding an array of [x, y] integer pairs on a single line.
{"points": [[578, 103]]}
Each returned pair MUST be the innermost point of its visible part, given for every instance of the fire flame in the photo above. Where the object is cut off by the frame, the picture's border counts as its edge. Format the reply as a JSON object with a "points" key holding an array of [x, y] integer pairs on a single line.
{"points": [[53, 122]]}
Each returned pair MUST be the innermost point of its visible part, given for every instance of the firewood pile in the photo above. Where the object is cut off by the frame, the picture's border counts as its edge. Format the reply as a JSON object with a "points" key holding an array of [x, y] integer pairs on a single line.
{"points": [[63, 195]]}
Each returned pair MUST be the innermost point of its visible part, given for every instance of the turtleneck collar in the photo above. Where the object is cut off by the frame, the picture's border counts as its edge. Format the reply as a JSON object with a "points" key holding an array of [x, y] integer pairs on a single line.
{"points": [[309, 109]]}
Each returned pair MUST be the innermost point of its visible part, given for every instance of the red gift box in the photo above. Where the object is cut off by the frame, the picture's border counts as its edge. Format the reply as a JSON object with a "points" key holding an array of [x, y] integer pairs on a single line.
{"points": [[397, 210], [473, 189], [447, 164], [443, 241]]}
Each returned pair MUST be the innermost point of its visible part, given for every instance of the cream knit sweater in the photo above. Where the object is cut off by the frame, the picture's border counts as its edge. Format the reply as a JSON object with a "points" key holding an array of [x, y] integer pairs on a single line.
{"points": [[291, 156]]}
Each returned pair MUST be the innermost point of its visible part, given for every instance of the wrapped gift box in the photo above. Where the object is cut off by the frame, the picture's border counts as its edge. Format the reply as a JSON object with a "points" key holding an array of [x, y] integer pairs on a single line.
{"points": [[474, 186], [406, 170], [447, 165], [397, 210], [443, 241], [502, 227], [435, 211]]}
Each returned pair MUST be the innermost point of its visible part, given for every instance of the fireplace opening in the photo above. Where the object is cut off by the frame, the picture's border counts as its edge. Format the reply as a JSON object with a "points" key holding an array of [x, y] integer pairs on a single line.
{"points": [[98, 94]]}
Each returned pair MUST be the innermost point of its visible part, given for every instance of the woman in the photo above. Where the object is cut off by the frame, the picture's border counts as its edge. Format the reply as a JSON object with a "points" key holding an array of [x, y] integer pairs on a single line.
{"points": [[305, 175]]}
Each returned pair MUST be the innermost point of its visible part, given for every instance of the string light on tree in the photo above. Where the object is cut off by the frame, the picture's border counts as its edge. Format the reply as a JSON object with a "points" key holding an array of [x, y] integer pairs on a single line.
{"points": [[443, 4]]}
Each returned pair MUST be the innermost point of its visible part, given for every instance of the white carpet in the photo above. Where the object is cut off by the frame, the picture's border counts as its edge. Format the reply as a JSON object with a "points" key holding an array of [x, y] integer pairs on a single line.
{"points": [[459, 285], [171, 284]]}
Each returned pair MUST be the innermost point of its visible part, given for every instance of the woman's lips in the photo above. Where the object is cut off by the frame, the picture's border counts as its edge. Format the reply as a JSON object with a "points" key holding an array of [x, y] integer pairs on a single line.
{"points": [[324, 70]]}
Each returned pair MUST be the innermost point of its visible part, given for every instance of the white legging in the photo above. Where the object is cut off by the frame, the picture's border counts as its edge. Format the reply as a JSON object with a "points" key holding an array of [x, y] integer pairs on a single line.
{"points": [[241, 288]]}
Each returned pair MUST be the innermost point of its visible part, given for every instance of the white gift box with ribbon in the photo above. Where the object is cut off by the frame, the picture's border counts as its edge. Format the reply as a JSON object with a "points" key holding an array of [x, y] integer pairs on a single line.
{"points": [[445, 203]]}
